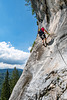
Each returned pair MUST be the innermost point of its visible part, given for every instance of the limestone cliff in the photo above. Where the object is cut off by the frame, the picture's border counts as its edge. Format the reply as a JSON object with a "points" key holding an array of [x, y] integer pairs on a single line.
{"points": [[45, 74]]}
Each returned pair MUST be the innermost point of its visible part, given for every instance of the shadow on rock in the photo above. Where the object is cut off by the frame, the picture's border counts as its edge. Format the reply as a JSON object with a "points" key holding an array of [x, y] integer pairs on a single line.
{"points": [[51, 42]]}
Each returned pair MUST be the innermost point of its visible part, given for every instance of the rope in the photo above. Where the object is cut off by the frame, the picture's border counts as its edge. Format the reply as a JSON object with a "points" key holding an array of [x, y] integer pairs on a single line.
{"points": [[61, 55]]}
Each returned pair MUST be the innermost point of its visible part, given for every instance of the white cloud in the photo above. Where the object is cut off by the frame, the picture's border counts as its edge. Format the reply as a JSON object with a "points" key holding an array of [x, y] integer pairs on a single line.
{"points": [[29, 48], [4, 65], [10, 55]]}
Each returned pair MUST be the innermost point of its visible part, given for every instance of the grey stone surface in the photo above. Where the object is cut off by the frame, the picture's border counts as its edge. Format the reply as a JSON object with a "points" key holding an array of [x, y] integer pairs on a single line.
{"points": [[45, 74]]}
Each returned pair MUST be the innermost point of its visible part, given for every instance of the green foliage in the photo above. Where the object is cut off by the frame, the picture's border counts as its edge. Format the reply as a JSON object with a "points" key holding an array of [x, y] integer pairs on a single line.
{"points": [[2, 75], [28, 2], [37, 23], [5, 94], [14, 79], [2, 80], [32, 46], [33, 12]]}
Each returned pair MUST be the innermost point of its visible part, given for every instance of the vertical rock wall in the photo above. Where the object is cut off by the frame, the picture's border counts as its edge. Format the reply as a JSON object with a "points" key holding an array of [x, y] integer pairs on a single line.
{"points": [[45, 74]]}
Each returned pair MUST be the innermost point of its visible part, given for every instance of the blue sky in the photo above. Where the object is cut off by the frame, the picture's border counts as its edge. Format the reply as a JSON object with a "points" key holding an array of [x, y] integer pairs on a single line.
{"points": [[18, 27]]}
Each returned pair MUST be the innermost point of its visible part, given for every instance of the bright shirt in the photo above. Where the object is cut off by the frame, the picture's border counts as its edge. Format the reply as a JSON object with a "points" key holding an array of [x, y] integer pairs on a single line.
{"points": [[42, 29]]}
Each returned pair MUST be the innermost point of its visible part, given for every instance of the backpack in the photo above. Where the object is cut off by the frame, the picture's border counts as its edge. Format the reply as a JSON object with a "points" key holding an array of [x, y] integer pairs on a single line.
{"points": [[40, 32]]}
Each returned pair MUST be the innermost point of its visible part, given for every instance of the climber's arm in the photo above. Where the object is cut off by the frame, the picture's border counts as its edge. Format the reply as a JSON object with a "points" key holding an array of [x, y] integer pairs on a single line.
{"points": [[46, 32]]}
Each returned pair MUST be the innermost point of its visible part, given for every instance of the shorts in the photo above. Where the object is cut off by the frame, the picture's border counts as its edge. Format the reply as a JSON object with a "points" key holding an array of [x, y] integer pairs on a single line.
{"points": [[43, 36]]}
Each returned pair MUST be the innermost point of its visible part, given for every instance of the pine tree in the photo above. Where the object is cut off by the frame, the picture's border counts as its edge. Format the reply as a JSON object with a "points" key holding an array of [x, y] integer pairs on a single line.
{"points": [[14, 79], [5, 94]]}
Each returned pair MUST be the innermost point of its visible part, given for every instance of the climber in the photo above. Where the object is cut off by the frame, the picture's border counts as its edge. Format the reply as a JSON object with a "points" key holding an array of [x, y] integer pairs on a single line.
{"points": [[42, 35]]}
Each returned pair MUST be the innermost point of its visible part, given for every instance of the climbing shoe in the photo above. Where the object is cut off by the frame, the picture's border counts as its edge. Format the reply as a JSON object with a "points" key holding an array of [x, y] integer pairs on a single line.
{"points": [[43, 44], [46, 43]]}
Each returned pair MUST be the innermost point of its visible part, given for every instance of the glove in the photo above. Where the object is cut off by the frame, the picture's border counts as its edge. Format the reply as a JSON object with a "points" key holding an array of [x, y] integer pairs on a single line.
{"points": [[48, 33]]}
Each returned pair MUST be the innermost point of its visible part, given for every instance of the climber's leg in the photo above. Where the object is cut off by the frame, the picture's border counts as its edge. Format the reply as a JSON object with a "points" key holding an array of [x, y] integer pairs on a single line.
{"points": [[43, 41]]}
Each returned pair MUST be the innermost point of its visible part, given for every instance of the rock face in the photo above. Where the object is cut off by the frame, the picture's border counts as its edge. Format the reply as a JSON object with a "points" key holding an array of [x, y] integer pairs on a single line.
{"points": [[45, 74]]}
